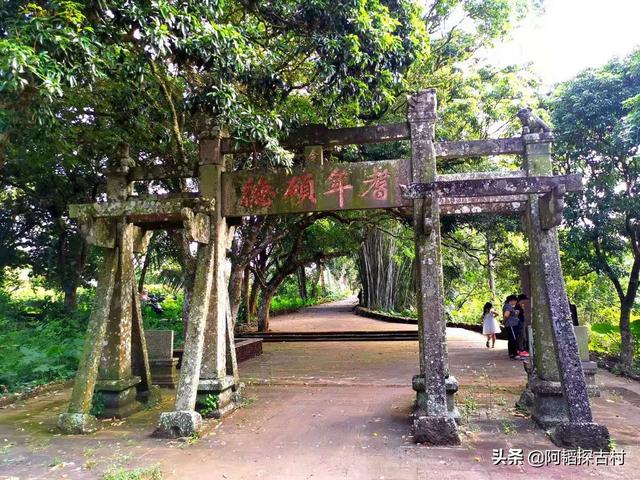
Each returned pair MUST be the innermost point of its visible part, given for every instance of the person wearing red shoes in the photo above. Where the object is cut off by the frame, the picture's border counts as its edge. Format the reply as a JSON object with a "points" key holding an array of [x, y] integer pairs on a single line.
{"points": [[511, 323]]}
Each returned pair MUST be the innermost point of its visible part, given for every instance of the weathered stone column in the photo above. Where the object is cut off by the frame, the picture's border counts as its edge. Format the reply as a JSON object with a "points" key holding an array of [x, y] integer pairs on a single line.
{"points": [[558, 385], [184, 421], [432, 423], [78, 419], [116, 383], [217, 379]]}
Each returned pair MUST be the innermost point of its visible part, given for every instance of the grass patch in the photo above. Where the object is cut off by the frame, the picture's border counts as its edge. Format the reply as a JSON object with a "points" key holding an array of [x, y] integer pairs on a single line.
{"points": [[144, 473]]}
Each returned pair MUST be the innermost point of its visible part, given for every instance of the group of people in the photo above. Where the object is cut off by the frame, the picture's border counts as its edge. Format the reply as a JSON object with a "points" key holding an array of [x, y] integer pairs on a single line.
{"points": [[514, 322]]}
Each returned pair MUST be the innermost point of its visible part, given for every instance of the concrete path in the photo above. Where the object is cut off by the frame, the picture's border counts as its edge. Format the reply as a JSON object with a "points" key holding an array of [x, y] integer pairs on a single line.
{"points": [[334, 410]]}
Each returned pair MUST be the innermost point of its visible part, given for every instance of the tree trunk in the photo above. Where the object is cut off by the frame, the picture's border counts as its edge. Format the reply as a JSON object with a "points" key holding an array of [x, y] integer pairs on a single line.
{"points": [[265, 309], [70, 297], [74, 275], [314, 285], [491, 270], [253, 300], [246, 287], [627, 346], [235, 290], [143, 271], [302, 284]]}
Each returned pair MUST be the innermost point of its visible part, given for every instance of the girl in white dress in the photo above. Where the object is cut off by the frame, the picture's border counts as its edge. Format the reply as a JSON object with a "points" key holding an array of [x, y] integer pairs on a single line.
{"points": [[490, 325]]}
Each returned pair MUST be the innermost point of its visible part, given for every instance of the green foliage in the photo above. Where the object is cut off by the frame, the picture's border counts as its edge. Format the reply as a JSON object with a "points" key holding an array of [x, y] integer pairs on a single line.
{"points": [[142, 473], [209, 404], [97, 404], [39, 342], [598, 135], [170, 318]]}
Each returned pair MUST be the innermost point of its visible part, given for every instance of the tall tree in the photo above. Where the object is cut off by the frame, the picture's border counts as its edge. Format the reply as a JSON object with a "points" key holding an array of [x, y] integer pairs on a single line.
{"points": [[76, 78], [595, 136]]}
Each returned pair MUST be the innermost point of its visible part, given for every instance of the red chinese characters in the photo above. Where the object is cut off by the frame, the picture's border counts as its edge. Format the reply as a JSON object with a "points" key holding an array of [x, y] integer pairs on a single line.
{"points": [[300, 188], [338, 183], [258, 194], [378, 183]]}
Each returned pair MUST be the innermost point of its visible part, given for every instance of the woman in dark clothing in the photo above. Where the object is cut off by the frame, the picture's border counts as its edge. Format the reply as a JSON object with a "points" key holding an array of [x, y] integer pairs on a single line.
{"points": [[511, 323]]}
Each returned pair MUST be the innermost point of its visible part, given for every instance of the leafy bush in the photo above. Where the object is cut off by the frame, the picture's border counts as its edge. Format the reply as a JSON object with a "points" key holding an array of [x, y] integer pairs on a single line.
{"points": [[39, 342], [605, 338], [171, 318]]}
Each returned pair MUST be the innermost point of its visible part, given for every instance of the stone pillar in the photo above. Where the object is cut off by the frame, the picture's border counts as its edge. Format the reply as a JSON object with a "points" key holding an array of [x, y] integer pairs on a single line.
{"points": [[217, 377], [77, 419], [432, 423], [108, 358], [558, 385], [184, 421], [116, 383]]}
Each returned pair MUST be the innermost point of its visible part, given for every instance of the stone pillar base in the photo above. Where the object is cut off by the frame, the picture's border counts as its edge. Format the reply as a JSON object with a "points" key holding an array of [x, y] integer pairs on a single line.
{"points": [[77, 423], [120, 397], [225, 392], [590, 369], [435, 431], [181, 423], [548, 406], [163, 372], [587, 436], [451, 385], [544, 398]]}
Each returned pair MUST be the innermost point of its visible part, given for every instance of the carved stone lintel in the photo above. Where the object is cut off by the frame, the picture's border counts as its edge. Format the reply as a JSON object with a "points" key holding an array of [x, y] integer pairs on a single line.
{"points": [[551, 206]]}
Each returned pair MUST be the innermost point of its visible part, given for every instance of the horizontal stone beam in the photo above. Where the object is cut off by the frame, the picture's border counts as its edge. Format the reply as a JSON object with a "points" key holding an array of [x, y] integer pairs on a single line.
{"points": [[494, 186], [495, 208], [315, 188], [142, 210], [321, 135], [458, 201], [479, 148]]}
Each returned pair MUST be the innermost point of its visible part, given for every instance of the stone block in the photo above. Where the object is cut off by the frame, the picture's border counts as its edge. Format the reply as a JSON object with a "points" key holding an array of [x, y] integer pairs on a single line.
{"points": [[548, 406], [582, 337], [182, 423], [77, 423], [163, 372], [226, 392], [120, 397], [159, 344], [435, 431], [248, 348], [587, 436], [451, 385]]}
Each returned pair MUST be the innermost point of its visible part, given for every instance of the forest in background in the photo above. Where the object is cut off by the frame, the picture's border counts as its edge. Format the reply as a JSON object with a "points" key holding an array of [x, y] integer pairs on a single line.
{"points": [[79, 78]]}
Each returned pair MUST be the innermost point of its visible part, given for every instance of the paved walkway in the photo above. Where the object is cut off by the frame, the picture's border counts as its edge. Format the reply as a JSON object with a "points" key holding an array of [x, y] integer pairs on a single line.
{"points": [[331, 410]]}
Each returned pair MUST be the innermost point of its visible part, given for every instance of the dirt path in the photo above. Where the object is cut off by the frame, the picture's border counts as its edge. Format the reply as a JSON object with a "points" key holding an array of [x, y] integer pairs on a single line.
{"points": [[334, 410], [334, 316]]}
